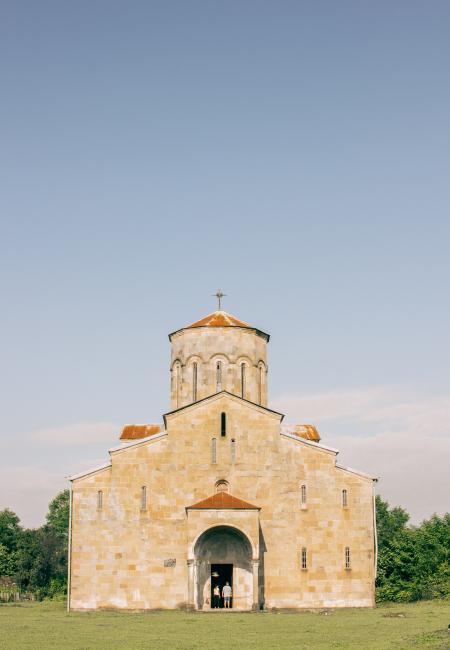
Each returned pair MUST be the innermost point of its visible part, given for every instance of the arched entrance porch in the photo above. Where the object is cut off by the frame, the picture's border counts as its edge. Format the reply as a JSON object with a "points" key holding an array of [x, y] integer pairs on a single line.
{"points": [[224, 553]]}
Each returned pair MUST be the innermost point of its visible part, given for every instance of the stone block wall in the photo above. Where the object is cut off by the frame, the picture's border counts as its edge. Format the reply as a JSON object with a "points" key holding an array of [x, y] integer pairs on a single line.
{"points": [[129, 558]]}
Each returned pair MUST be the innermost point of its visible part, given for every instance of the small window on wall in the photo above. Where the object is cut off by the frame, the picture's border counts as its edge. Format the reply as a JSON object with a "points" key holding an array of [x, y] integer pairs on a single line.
{"points": [[222, 486], [344, 498], [304, 559], [214, 451], [347, 558], [177, 383], [144, 497], [303, 495], [243, 380], [233, 450], [223, 424], [99, 500], [218, 376], [194, 381]]}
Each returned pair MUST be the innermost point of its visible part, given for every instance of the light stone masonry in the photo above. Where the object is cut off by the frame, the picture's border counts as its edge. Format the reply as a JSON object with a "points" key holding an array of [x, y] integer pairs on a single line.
{"points": [[131, 555]]}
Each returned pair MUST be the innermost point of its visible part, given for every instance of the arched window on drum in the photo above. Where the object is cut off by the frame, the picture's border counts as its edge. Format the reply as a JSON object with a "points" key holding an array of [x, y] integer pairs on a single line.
{"points": [[218, 376], [194, 381], [178, 383], [261, 383], [243, 378]]}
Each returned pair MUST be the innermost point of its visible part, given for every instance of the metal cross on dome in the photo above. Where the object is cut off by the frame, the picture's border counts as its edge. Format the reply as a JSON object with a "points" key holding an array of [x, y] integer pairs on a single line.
{"points": [[219, 295]]}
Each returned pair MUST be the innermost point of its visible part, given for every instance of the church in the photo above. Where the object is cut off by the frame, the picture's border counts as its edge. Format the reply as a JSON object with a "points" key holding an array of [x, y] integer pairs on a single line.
{"points": [[222, 491]]}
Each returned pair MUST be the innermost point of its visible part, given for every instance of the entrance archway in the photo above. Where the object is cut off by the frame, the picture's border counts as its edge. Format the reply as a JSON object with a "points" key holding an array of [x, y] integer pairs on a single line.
{"points": [[223, 554]]}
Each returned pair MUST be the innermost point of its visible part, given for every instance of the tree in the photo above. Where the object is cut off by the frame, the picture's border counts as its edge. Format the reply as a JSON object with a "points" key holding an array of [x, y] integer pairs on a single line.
{"points": [[41, 564], [7, 561], [413, 562], [27, 558], [39, 560], [58, 515], [390, 521], [10, 529], [433, 556]]}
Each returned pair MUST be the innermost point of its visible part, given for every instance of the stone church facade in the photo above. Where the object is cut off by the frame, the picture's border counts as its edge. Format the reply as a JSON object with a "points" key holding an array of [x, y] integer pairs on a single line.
{"points": [[223, 491]]}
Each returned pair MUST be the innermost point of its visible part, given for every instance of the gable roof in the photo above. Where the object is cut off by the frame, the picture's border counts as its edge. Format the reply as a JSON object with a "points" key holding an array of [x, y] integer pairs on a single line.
{"points": [[87, 472], [139, 431], [222, 501], [307, 431], [221, 318], [222, 392], [127, 444]]}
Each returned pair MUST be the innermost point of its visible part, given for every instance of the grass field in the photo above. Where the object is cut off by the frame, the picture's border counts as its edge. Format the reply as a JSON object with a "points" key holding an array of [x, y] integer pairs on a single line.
{"points": [[47, 625]]}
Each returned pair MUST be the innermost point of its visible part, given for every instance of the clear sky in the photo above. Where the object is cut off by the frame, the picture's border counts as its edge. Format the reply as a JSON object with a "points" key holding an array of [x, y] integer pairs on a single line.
{"points": [[294, 154]]}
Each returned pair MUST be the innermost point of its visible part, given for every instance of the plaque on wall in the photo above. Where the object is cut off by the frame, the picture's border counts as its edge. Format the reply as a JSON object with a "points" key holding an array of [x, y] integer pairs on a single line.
{"points": [[170, 562]]}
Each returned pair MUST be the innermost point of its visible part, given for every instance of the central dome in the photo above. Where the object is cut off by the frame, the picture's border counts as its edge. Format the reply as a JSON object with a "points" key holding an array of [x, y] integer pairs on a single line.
{"points": [[221, 318], [218, 352]]}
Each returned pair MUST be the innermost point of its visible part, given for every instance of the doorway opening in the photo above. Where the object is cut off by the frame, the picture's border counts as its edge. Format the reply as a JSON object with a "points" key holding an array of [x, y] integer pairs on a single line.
{"points": [[227, 551], [220, 575]]}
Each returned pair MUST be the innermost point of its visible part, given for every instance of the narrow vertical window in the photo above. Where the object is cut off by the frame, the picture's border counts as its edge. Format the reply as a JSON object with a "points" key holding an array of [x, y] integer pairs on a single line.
{"points": [[144, 497], [243, 380], [261, 375], [233, 450], [214, 451], [344, 498], [218, 376], [303, 495], [99, 500], [347, 558], [304, 558], [178, 383], [194, 382], [223, 424]]}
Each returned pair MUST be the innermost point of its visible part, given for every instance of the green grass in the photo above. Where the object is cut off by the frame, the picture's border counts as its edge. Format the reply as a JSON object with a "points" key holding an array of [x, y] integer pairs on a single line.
{"points": [[48, 626]]}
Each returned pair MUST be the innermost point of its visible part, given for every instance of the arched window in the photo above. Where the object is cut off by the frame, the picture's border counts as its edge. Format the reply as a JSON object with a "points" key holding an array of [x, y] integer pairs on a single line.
{"points": [[347, 558], [177, 383], [218, 376], [303, 495], [261, 383], [222, 486], [344, 498], [223, 424], [213, 451], [233, 450], [99, 500], [194, 381], [144, 497], [304, 559], [243, 380]]}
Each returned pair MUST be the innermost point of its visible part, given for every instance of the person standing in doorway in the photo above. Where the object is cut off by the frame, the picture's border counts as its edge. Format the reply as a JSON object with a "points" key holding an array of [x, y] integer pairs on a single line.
{"points": [[226, 594], [216, 597]]}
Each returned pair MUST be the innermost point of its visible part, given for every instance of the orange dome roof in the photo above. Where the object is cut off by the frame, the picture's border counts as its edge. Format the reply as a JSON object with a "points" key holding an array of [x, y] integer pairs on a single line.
{"points": [[221, 319]]}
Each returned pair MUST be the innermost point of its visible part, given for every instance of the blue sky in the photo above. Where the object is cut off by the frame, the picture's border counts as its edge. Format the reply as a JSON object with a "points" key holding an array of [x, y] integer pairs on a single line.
{"points": [[295, 154]]}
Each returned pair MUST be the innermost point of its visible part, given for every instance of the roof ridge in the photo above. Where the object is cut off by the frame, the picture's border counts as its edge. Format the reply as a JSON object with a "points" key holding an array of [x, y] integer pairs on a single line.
{"points": [[223, 500], [222, 392]]}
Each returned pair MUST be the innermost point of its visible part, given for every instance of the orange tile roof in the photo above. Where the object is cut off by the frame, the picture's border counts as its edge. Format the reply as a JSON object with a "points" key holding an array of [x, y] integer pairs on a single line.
{"points": [[138, 431], [306, 431], [224, 501], [219, 319]]}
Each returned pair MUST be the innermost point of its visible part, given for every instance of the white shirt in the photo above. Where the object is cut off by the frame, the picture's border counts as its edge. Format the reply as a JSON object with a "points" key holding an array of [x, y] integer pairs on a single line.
{"points": [[226, 591]]}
